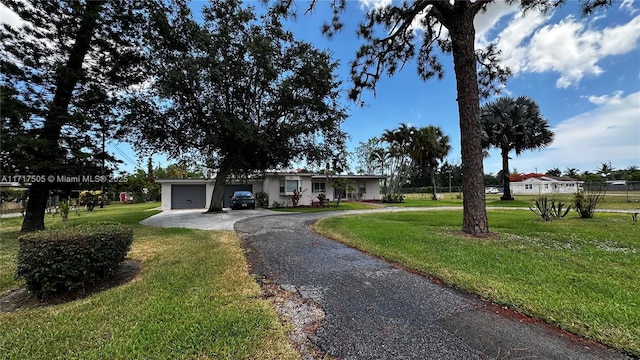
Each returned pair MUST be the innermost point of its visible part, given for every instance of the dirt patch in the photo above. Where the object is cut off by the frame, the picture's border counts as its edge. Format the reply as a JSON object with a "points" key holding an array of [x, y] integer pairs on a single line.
{"points": [[304, 316], [21, 297]]}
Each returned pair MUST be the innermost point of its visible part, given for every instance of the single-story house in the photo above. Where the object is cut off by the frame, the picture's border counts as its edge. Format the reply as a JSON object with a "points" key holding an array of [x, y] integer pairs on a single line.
{"points": [[279, 186], [546, 185]]}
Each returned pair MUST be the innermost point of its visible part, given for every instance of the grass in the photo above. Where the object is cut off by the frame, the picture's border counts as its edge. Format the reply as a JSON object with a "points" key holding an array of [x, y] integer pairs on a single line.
{"points": [[582, 275], [615, 201], [193, 299]]}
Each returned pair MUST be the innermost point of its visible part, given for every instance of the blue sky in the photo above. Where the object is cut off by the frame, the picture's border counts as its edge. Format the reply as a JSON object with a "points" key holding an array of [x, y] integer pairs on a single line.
{"points": [[583, 72]]}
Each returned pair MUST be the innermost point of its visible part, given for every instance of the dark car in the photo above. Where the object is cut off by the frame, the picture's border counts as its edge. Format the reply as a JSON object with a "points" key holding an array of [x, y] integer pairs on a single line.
{"points": [[243, 200]]}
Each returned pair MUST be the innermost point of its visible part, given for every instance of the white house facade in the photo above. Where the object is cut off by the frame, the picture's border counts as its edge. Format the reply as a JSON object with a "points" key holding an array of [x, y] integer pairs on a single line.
{"points": [[546, 185], [279, 186]]}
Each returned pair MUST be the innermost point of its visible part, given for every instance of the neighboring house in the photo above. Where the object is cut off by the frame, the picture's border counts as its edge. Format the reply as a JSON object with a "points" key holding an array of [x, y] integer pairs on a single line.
{"points": [[546, 185], [196, 193]]}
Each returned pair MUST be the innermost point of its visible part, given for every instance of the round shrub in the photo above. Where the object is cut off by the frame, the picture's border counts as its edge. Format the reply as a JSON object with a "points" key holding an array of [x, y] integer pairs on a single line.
{"points": [[64, 260]]}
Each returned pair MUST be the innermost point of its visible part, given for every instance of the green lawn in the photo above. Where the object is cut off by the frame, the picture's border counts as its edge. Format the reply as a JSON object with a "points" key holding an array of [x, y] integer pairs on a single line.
{"points": [[582, 275], [616, 201], [192, 299]]}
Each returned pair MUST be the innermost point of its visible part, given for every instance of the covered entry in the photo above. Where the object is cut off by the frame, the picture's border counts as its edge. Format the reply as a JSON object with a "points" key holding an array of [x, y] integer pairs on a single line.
{"points": [[228, 192], [188, 196]]}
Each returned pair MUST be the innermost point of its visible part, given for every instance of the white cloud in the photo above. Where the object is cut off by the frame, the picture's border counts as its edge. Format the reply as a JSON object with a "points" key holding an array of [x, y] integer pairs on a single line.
{"points": [[628, 5], [615, 98], [374, 4], [7, 16], [486, 21], [610, 132], [572, 48]]}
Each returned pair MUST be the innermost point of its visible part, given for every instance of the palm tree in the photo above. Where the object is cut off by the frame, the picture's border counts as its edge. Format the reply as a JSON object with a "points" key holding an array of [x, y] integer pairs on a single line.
{"points": [[572, 173], [399, 141], [378, 158], [605, 169], [428, 147], [513, 124]]}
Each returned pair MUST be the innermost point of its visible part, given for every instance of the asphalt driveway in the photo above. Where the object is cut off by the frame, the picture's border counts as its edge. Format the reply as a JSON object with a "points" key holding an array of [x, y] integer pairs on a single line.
{"points": [[374, 310]]}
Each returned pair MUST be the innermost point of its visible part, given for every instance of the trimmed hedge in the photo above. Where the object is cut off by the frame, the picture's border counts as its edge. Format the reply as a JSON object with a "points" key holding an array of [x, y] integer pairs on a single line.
{"points": [[64, 260]]}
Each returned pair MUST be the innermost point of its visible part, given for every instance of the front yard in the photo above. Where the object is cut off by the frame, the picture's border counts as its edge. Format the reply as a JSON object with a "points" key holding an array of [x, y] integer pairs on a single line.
{"points": [[193, 298]]}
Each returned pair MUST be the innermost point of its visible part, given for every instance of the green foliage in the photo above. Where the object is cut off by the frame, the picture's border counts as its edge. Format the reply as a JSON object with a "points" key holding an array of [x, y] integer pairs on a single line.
{"points": [[393, 198], [63, 69], [295, 198], [322, 199], [10, 195], [277, 204], [586, 202], [549, 211], [240, 86], [262, 199], [67, 259], [517, 125], [65, 208]]}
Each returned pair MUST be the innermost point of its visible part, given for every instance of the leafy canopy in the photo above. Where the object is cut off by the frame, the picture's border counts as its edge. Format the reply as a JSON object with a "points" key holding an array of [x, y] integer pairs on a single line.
{"points": [[238, 92]]}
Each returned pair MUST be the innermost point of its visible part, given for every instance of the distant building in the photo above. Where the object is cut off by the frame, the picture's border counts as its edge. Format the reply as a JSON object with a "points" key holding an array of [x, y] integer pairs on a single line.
{"points": [[546, 185]]}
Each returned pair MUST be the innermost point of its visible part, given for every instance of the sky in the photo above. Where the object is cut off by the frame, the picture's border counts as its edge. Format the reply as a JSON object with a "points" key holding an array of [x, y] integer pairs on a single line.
{"points": [[584, 72]]}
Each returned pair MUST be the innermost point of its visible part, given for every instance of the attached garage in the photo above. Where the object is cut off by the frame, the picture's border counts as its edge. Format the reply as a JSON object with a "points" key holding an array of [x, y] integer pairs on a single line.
{"points": [[188, 196]]}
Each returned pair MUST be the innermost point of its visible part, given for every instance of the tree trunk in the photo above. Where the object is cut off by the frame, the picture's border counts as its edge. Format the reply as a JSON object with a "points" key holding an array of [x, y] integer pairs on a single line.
{"points": [[462, 32], [67, 79], [434, 193], [36, 207], [217, 197], [506, 195]]}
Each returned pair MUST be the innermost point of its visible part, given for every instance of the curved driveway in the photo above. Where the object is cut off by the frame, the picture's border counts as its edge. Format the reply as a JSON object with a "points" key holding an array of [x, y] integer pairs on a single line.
{"points": [[374, 310]]}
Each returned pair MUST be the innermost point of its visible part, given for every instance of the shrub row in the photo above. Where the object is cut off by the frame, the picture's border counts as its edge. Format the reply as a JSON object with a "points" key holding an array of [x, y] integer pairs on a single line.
{"points": [[64, 260]]}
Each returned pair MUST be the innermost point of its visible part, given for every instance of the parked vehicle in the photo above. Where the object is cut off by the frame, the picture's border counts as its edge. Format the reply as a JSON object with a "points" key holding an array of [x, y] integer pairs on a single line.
{"points": [[243, 200], [491, 190]]}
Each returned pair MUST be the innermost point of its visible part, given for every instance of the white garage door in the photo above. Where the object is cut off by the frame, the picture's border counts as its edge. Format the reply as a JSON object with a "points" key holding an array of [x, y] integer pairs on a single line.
{"points": [[188, 196]]}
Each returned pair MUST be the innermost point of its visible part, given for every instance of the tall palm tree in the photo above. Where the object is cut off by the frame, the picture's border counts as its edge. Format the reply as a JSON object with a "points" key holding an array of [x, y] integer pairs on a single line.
{"points": [[513, 124], [428, 147], [399, 141], [379, 159]]}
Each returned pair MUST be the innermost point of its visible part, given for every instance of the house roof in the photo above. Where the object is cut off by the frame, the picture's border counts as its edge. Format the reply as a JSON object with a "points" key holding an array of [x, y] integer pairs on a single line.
{"points": [[183, 181], [322, 176]]}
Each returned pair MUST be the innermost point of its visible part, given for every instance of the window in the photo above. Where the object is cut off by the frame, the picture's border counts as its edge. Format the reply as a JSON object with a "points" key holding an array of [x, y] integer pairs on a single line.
{"points": [[318, 187], [362, 187], [546, 186], [528, 186], [288, 186]]}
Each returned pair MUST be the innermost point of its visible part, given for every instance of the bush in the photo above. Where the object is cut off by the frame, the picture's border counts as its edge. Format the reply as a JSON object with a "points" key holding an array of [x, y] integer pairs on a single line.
{"points": [[322, 199], [549, 211], [393, 198], [587, 201], [262, 198], [65, 260]]}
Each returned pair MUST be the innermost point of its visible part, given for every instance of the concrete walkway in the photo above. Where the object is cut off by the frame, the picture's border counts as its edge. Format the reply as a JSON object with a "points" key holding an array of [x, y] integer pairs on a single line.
{"points": [[199, 219]]}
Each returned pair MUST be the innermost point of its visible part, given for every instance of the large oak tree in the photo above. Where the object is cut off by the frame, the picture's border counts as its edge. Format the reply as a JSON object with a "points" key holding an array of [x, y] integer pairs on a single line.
{"points": [[391, 39], [238, 93]]}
